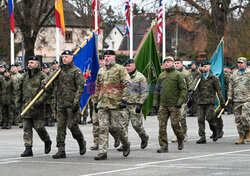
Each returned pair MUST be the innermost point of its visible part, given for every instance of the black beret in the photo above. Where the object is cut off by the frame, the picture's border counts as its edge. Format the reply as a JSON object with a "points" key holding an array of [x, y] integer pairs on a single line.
{"points": [[17, 64], [24, 70], [13, 65], [205, 63], [46, 65], [130, 61], [109, 52], [3, 66], [55, 62], [33, 58], [101, 57], [7, 70], [67, 52]]}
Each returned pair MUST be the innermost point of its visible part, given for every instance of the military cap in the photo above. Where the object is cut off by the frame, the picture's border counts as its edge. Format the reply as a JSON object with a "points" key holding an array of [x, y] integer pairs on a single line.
{"points": [[46, 65], [12, 65], [7, 70], [248, 63], [205, 63], [109, 52], [55, 62], [168, 58], [33, 58], [242, 59], [129, 61], [67, 52], [17, 64], [193, 62], [234, 67], [3, 66]]}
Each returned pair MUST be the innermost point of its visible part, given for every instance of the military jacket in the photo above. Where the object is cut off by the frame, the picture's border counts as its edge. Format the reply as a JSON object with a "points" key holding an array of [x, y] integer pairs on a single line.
{"points": [[170, 89], [70, 86], [138, 91], [111, 86], [188, 79], [7, 86], [239, 86], [207, 88], [195, 73]]}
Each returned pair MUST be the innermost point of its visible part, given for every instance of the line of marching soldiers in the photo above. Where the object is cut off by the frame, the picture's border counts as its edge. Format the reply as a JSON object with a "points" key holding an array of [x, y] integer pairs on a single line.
{"points": [[118, 100]]}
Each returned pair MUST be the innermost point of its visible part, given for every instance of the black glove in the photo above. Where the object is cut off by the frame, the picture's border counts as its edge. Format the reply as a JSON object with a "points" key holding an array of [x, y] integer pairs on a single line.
{"points": [[123, 104], [37, 104], [74, 108], [138, 108], [42, 86], [231, 102], [156, 108], [178, 106], [222, 106], [95, 107]]}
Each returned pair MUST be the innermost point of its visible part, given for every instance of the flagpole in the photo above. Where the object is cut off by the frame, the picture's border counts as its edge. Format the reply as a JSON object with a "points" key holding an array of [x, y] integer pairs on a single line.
{"points": [[164, 31], [176, 40], [12, 53], [131, 30], [57, 44]]}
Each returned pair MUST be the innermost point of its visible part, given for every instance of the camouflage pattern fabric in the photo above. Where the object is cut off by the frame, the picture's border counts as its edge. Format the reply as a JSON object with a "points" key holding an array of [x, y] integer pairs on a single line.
{"points": [[242, 116], [96, 129]]}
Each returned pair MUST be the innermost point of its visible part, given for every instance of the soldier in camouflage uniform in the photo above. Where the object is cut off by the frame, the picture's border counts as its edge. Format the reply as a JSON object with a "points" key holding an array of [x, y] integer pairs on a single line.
{"points": [[239, 96], [137, 95], [70, 86], [2, 69], [170, 94], [8, 99], [110, 97], [55, 67], [29, 87], [206, 93]]}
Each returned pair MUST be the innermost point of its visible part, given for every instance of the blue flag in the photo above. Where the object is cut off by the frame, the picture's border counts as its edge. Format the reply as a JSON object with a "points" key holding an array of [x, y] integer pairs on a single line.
{"points": [[217, 70], [87, 60]]}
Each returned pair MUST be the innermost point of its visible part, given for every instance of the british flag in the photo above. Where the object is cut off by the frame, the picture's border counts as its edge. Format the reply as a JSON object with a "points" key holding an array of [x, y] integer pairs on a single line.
{"points": [[127, 8], [159, 22]]}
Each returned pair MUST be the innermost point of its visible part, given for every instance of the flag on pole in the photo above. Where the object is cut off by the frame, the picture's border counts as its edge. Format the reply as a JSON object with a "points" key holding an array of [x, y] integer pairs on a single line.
{"points": [[147, 62], [11, 15], [159, 22], [59, 15], [87, 60], [127, 13], [217, 69], [94, 4]]}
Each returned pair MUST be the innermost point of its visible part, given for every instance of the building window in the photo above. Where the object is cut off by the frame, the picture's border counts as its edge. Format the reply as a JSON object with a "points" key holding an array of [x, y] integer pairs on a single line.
{"points": [[68, 36]]}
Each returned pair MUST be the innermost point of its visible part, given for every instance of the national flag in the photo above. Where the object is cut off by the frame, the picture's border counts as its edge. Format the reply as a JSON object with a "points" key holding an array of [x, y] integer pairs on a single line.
{"points": [[127, 14], [59, 15], [159, 22], [148, 63], [94, 4], [87, 60], [11, 15], [217, 69]]}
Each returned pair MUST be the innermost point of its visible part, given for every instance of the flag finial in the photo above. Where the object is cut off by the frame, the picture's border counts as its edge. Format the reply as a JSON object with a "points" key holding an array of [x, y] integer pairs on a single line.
{"points": [[154, 22]]}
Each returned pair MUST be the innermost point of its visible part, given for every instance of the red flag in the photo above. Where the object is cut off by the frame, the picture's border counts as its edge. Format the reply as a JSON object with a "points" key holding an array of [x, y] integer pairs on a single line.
{"points": [[94, 3], [11, 15]]}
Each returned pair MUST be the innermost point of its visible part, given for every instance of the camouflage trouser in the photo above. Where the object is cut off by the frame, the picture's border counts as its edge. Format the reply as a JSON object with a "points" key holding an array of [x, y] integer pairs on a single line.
{"points": [[1, 116], [242, 116], [218, 121], [53, 108], [66, 118], [206, 112], [91, 109], [96, 128], [7, 115], [175, 118], [38, 125], [15, 116], [110, 118], [136, 119], [48, 112], [184, 110], [85, 113]]}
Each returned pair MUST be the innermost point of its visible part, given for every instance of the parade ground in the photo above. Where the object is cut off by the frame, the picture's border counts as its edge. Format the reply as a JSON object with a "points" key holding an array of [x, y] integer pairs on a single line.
{"points": [[212, 159]]}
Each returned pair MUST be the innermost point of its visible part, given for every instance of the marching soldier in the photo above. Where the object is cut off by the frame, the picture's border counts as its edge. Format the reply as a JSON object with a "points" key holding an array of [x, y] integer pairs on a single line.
{"points": [[170, 94], [31, 84], [239, 97]]}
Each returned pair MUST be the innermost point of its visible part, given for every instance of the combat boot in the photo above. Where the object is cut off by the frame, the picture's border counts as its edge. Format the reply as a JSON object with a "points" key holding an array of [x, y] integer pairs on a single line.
{"points": [[94, 147], [82, 146], [27, 152], [162, 150], [248, 136], [47, 147], [180, 144], [59, 154], [8, 126], [117, 142], [174, 139], [241, 140], [215, 136], [144, 142], [101, 156], [51, 123], [220, 133], [126, 149], [120, 149], [201, 141]]}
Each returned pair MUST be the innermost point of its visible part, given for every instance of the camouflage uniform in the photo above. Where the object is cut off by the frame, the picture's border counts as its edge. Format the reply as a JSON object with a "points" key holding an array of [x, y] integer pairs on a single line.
{"points": [[137, 95], [227, 76], [206, 92], [239, 92], [195, 75], [170, 91], [1, 105], [34, 117], [111, 88], [53, 102]]}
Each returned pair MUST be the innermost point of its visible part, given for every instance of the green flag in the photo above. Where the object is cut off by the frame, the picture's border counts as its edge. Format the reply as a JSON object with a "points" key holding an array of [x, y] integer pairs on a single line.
{"points": [[147, 62]]}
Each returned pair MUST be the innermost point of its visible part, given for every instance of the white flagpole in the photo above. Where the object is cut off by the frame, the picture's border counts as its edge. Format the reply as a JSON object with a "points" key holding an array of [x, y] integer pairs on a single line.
{"points": [[131, 30], [57, 44], [164, 31], [96, 16], [12, 53]]}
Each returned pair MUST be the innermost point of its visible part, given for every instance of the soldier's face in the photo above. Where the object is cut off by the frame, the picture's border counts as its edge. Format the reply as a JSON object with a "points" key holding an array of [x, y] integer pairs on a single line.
{"points": [[178, 64], [32, 64], [7, 74], [109, 58], [19, 68], [130, 67], [13, 68], [67, 59], [168, 64], [193, 66], [2, 69], [206, 68], [55, 66], [101, 62], [242, 65], [46, 70]]}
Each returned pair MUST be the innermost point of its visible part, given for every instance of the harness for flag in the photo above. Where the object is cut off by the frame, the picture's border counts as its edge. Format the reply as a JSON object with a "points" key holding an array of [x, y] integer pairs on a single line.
{"points": [[148, 63], [94, 4], [87, 60], [127, 12], [217, 69], [159, 23], [11, 15], [59, 15]]}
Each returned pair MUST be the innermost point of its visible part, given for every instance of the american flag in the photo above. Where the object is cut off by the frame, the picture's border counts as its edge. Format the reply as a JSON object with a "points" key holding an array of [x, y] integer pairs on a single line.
{"points": [[159, 22], [127, 7], [93, 12]]}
